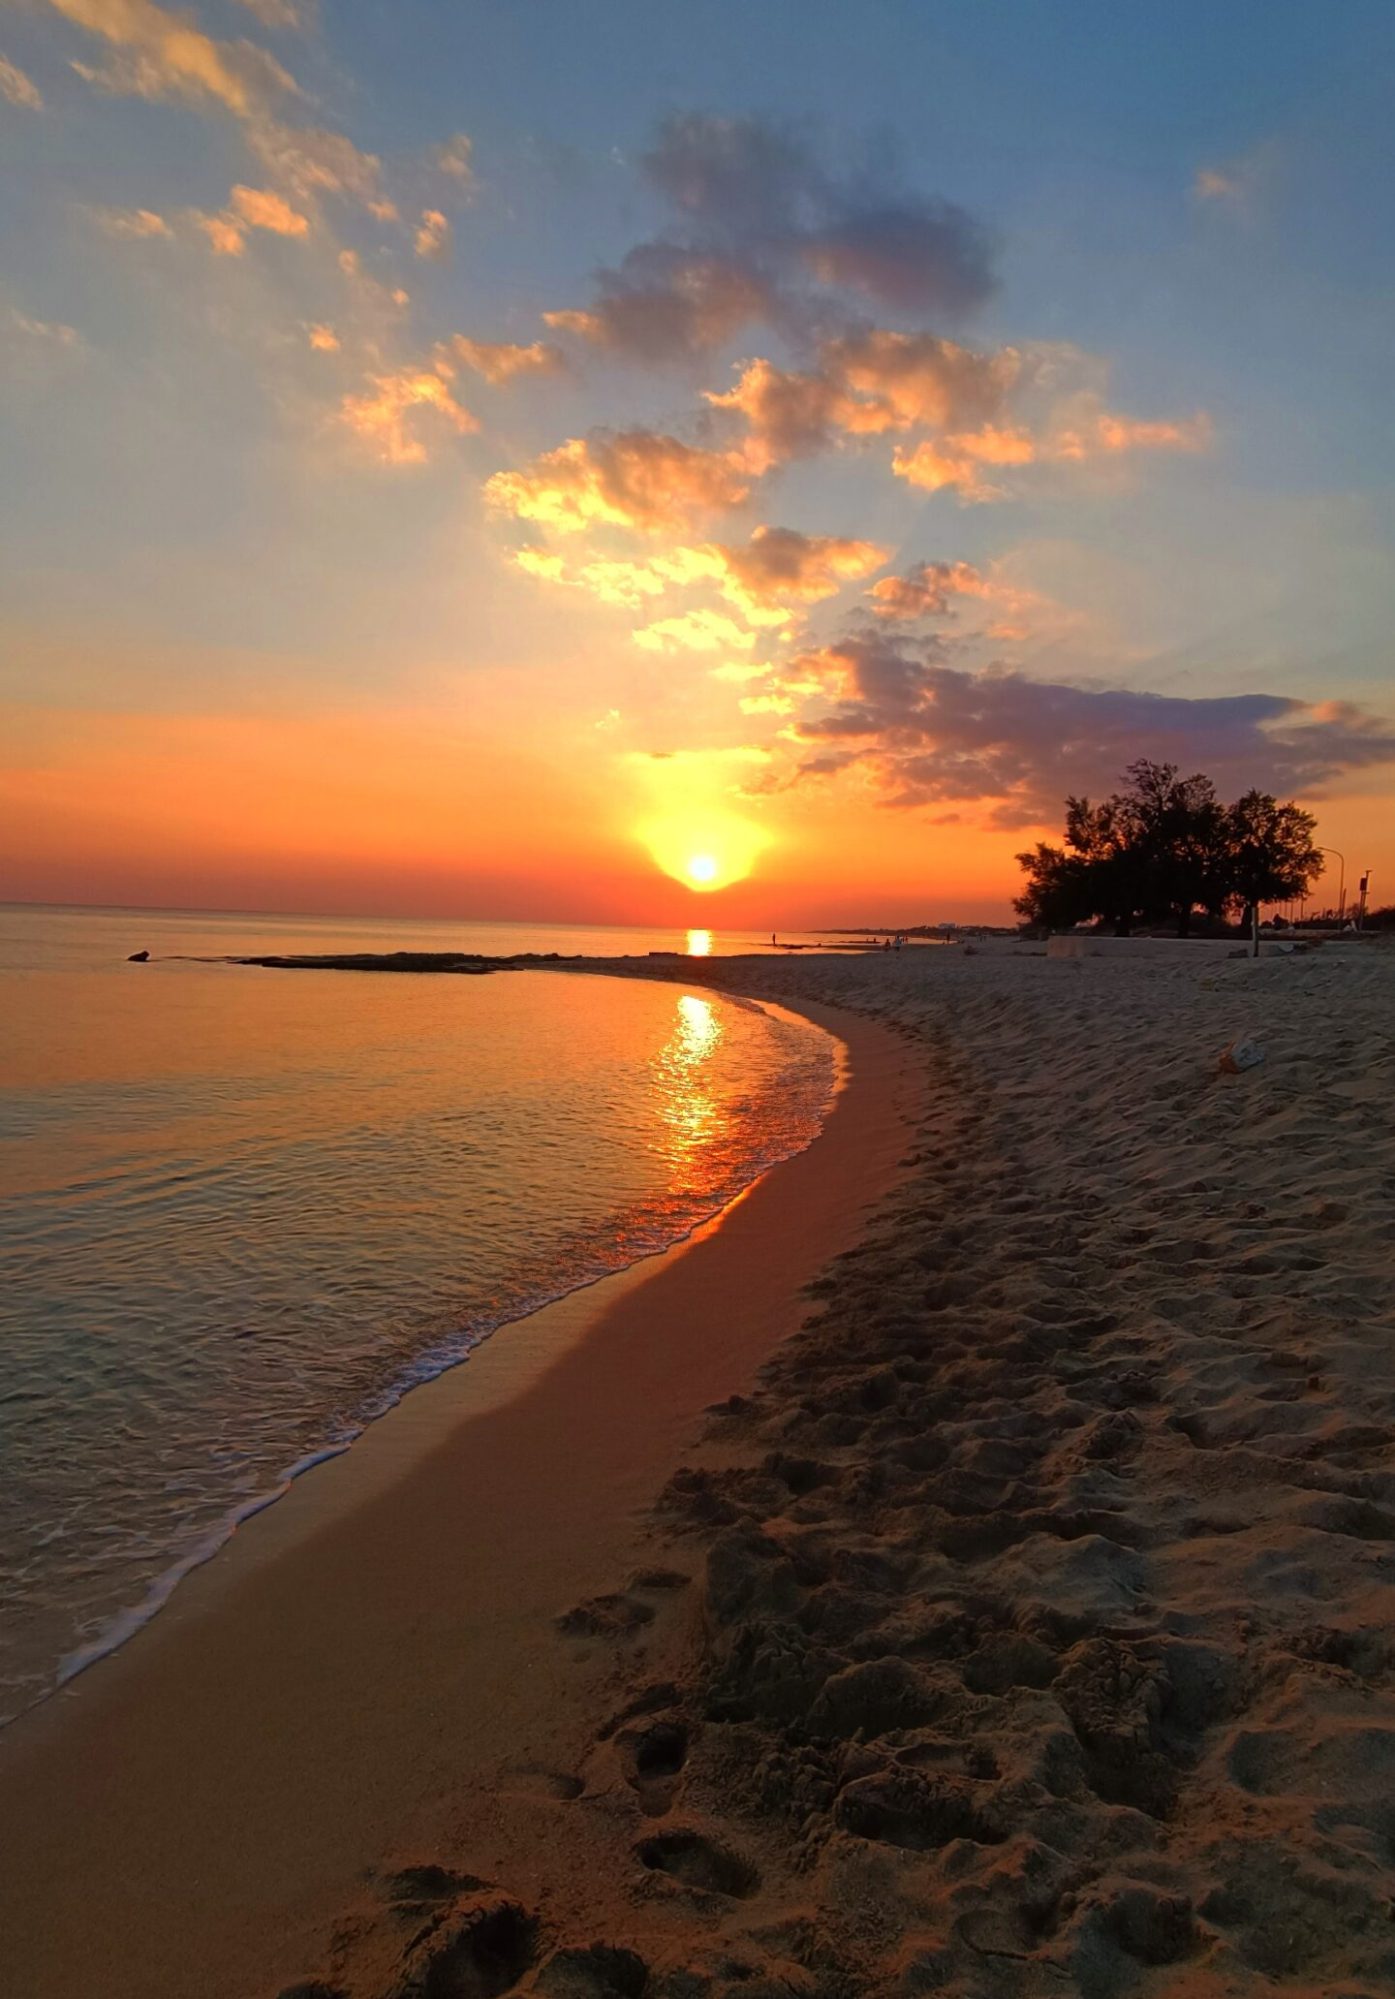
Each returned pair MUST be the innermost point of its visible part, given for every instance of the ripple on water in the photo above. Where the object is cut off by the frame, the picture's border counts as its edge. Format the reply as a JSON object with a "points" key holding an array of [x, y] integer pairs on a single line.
{"points": [[268, 1207]]}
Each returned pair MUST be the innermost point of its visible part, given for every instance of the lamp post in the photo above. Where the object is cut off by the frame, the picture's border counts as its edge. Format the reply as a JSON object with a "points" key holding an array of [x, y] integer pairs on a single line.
{"points": [[1342, 878]]}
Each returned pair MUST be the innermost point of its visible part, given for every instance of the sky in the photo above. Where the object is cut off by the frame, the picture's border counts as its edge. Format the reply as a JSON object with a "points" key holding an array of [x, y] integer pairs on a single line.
{"points": [[681, 463]]}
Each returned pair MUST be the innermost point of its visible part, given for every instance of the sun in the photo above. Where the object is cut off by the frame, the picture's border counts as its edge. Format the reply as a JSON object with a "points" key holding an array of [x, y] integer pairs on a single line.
{"points": [[705, 848]]}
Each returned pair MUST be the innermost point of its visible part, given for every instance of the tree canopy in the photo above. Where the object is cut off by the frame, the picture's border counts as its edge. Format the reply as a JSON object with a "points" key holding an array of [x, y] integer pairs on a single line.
{"points": [[1165, 848]]}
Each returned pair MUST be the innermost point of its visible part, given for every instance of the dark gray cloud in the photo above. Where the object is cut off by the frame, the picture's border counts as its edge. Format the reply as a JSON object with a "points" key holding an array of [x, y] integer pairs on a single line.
{"points": [[935, 733], [767, 230]]}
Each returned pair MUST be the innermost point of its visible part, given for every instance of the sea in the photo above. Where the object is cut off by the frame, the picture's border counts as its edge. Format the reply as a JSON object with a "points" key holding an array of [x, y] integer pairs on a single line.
{"points": [[244, 1211]]}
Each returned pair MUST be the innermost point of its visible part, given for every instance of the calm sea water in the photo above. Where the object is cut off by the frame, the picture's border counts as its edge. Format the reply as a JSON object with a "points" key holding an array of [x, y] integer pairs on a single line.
{"points": [[242, 1211]]}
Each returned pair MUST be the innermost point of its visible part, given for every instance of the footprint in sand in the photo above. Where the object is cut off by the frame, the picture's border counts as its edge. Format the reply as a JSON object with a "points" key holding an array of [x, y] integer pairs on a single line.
{"points": [[615, 1616], [593, 1971], [652, 1759], [695, 1861]]}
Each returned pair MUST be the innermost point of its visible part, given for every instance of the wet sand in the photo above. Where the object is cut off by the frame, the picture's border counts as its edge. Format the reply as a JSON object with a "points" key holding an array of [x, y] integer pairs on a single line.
{"points": [[1025, 1626]]}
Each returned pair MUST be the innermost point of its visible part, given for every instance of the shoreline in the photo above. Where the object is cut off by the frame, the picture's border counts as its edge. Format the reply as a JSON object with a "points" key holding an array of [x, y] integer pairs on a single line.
{"points": [[593, 1295], [105, 1775]]}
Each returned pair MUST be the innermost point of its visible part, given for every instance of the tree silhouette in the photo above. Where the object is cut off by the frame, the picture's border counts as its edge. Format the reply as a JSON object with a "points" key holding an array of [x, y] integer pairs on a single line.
{"points": [[1165, 848]]}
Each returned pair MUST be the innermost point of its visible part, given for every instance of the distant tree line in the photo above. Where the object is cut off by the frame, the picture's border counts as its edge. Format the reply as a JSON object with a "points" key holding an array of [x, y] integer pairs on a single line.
{"points": [[1163, 850]]}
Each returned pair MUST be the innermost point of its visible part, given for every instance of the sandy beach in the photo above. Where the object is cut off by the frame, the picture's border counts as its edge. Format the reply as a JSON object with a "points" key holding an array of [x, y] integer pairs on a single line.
{"points": [[1014, 1615]]}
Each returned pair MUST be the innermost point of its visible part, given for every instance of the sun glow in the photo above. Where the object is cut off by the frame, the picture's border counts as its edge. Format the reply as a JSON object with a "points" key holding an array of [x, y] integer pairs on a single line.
{"points": [[704, 852]]}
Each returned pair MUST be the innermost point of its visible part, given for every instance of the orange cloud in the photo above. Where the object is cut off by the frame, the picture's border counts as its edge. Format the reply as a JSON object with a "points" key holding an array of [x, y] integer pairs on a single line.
{"points": [[695, 631], [249, 208], [162, 54], [385, 420], [312, 162], [780, 566], [866, 385], [259, 208], [455, 159], [788, 414], [1122, 433], [636, 479], [227, 239], [956, 462], [1082, 431], [134, 222], [17, 88], [323, 339], [926, 591], [776, 568], [432, 239], [498, 361], [908, 381]]}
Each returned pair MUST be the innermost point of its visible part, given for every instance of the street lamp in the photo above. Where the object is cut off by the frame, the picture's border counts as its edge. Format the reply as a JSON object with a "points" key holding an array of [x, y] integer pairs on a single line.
{"points": [[1342, 890]]}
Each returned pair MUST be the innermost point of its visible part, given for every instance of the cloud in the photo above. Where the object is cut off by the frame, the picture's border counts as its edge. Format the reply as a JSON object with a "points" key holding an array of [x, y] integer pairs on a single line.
{"points": [[500, 361], [781, 566], [1080, 432], [17, 88], [224, 234], [788, 414], [1000, 410], [747, 181], [766, 229], [1085, 429], [455, 159], [915, 256], [323, 339], [36, 350], [867, 385], [926, 732], [903, 381], [130, 222], [260, 208], [387, 418], [776, 568], [928, 590], [695, 631], [637, 479], [1211, 184], [312, 162], [163, 54], [44, 332], [958, 461], [666, 302], [432, 238], [250, 208]]}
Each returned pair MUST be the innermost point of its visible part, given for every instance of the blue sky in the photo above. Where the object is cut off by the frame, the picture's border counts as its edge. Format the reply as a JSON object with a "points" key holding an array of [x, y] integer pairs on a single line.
{"points": [[1171, 225]]}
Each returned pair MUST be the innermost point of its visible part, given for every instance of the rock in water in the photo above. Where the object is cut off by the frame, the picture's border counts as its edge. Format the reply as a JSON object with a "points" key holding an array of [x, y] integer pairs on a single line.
{"points": [[1242, 1054], [138, 958]]}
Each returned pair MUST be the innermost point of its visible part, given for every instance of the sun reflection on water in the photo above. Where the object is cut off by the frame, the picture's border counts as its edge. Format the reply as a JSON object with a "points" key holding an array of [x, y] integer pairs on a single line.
{"points": [[690, 1111], [699, 943]]}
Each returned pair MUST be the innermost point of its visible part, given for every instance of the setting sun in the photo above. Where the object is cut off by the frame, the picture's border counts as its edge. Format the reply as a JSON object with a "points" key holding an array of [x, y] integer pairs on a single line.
{"points": [[703, 846]]}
